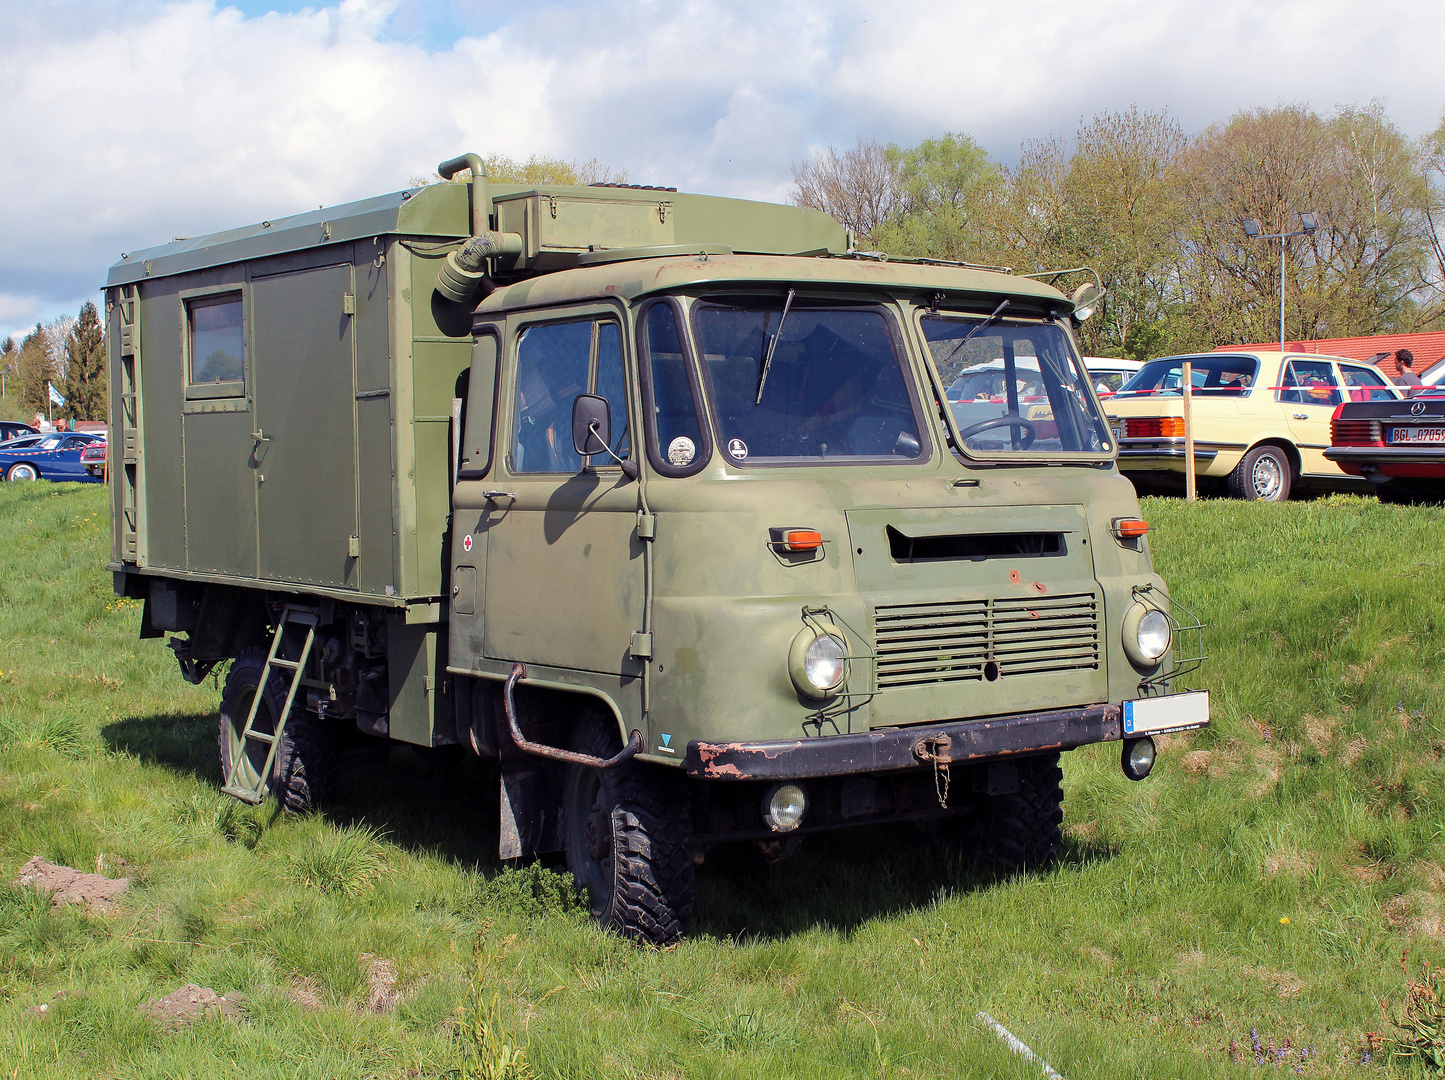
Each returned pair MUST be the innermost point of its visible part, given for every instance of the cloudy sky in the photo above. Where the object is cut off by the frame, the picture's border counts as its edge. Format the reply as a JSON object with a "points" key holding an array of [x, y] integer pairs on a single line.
{"points": [[123, 124]]}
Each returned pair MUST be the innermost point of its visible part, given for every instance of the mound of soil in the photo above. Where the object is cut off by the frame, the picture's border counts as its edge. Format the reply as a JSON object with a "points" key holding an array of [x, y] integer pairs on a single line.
{"points": [[381, 980], [67, 886], [192, 1002]]}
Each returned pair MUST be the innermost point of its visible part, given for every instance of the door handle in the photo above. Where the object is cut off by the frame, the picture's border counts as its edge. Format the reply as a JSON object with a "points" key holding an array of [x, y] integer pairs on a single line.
{"points": [[1300, 416], [493, 496], [260, 438]]}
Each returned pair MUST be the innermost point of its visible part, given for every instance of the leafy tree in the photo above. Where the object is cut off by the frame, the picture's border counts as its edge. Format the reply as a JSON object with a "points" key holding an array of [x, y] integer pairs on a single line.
{"points": [[944, 186], [35, 367], [85, 367], [535, 170]]}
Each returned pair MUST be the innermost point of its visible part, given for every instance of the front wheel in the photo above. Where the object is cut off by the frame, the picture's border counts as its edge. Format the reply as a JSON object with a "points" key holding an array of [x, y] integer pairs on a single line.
{"points": [[1262, 475], [1018, 830], [23, 470], [627, 832]]}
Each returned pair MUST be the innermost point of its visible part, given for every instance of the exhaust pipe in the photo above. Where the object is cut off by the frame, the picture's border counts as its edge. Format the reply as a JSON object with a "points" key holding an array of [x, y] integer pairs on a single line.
{"points": [[463, 277]]}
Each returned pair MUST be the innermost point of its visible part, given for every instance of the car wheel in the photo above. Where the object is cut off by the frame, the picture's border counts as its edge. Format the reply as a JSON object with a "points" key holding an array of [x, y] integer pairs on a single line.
{"points": [[23, 470], [627, 832], [1262, 475], [1020, 830], [307, 759]]}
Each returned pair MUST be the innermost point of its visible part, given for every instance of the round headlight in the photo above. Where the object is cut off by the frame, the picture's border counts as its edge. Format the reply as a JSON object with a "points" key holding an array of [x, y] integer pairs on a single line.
{"points": [[817, 660], [1138, 758], [823, 663], [784, 806], [1147, 634], [1153, 634]]}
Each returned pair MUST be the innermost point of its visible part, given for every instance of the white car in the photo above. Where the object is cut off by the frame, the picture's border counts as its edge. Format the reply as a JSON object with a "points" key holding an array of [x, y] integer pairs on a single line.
{"points": [[1108, 374]]}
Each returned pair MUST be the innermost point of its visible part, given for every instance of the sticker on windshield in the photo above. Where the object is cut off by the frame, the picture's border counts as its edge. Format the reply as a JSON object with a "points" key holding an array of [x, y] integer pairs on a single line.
{"points": [[681, 451], [737, 448]]}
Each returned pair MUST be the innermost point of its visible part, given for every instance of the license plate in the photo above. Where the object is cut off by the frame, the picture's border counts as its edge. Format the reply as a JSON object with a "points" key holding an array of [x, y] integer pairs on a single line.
{"points": [[1176, 712], [1417, 435]]}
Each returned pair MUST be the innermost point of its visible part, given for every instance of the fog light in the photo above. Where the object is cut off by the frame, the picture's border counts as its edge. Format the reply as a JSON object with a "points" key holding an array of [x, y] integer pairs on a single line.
{"points": [[1138, 758], [784, 807]]}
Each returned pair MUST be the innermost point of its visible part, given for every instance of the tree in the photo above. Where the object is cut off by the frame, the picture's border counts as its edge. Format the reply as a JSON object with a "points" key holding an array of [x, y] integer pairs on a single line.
{"points": [[857, 188], [85, 367], [944, 186], [35, 368], [535, 170]]}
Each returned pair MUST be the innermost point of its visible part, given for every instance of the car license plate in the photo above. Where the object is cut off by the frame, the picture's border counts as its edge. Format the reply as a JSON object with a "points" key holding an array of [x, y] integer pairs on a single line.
{"points": [[1175, 712], [1417, 435]]}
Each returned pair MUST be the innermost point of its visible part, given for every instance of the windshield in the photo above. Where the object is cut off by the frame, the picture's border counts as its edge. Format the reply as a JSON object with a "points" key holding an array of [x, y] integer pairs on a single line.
{"points": [[1212, 376], [834, 387], [1015, 387]]}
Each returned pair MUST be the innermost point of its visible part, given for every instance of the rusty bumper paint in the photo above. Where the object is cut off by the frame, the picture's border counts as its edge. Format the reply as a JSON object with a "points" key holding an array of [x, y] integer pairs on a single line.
{"points": [[889, 749]]}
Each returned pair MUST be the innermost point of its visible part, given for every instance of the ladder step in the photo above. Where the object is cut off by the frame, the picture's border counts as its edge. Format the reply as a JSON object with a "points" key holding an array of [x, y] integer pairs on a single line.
{"points": [[261, 737], [246, 795], [289, 665]]}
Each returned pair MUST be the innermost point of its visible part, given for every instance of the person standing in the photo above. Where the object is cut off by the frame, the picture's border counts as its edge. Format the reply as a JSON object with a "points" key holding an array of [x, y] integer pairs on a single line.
{"points": [[1405, 360]]}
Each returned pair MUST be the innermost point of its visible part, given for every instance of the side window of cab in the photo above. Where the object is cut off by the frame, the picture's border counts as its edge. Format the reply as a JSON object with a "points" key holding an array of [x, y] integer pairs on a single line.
{"points": [[1364, 384], [555, 363]]}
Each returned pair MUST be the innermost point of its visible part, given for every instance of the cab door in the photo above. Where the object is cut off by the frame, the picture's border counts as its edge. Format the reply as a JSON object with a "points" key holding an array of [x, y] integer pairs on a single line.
{"points": [[1309, 392], [563, 585]]}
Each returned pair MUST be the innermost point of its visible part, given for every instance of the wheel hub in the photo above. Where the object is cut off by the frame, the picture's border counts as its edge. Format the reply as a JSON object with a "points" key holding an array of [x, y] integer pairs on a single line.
{"points": [[599, 835], [1266, 478]]}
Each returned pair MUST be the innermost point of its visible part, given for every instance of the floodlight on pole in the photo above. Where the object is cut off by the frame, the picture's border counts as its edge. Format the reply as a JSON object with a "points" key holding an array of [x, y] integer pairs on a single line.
{"points": [[1254, 231]]}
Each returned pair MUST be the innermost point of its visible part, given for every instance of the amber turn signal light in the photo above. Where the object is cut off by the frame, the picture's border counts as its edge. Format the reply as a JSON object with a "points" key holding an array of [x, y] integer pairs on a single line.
{"points": [[1129, 528], [796, 539]]}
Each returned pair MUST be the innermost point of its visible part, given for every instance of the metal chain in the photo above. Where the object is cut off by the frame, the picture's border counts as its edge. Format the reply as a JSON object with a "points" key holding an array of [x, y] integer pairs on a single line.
{"points": [[942, 777]]}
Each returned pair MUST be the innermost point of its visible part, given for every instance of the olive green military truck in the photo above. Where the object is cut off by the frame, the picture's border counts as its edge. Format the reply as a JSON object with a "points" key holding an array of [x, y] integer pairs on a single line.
{"points": [[704, 526]]}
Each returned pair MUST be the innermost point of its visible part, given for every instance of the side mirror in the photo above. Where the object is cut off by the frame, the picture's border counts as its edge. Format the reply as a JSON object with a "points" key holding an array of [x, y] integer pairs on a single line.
{"points": [[591, 425]]}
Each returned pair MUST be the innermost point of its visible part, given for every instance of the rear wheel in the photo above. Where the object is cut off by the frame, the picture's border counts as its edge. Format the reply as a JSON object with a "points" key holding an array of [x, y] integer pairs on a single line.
{"points": [[1262, 475], [23, 470], [627, 834], [307, 759], [1020, 830]]}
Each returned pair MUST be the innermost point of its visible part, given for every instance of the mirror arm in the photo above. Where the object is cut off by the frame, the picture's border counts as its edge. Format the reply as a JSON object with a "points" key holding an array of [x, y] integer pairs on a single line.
{"points": [[629, 468]]}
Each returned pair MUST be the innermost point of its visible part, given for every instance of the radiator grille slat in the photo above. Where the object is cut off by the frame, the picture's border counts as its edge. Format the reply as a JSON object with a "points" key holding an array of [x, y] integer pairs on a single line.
{"points": [[919, 644]]}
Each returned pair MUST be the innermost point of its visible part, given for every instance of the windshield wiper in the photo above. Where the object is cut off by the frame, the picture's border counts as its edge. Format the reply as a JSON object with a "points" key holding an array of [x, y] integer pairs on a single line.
{"points": [[773, 344], [1001, 305]]}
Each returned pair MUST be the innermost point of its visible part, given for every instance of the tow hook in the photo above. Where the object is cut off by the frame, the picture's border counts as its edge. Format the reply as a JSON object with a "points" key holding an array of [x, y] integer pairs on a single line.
{"points": [[192, 671], [938, 750]]}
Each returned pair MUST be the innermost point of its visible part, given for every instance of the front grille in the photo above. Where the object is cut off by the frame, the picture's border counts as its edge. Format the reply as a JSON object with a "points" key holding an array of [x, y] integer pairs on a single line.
{"points": [[919, 644], [1348, 432]]}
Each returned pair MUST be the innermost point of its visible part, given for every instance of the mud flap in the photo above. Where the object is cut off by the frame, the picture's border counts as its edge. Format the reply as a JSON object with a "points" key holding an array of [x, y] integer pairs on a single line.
{"points": [[531, 810]]}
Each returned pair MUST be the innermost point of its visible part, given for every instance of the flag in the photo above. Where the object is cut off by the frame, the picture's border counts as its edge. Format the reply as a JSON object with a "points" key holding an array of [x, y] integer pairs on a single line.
{"points": [[55, 395]]}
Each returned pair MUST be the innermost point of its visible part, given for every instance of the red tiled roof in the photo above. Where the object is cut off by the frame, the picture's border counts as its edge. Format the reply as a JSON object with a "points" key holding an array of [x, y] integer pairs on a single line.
{"points": [[1427, 348]]}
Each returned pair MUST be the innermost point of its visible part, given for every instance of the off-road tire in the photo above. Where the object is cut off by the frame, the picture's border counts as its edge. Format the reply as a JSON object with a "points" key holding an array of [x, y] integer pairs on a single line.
{"points": [[1020, 831], [641, 886], [307, 758], [1264, 474]]}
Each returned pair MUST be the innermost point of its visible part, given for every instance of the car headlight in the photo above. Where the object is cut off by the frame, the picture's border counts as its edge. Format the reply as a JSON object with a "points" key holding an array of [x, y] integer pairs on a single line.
{"points": [[784, 806], [818, 660], [1147, 634]]}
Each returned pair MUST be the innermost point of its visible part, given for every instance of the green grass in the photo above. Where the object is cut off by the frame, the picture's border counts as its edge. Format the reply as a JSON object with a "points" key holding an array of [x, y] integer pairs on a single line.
{"points": [[1316, 797]]}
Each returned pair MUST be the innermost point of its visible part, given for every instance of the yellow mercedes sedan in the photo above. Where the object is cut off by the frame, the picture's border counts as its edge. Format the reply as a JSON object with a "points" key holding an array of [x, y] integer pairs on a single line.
{"points": [[1261, 420]]}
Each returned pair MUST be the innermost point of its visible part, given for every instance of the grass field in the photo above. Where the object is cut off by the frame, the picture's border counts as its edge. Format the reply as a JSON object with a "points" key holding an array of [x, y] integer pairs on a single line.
{"points": [[1269, 876]]}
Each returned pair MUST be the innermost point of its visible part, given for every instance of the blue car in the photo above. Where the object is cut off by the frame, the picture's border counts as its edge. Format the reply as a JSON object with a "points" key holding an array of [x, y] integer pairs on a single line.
{"points": [[54, 457]]}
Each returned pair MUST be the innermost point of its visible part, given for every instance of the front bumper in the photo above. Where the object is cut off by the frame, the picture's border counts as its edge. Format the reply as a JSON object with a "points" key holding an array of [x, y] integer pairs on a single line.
{"points": [[890, 749]]}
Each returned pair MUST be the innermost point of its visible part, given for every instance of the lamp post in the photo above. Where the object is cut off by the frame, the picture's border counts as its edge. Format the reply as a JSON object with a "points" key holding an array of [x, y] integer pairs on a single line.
{"points": [[1252, 230]]}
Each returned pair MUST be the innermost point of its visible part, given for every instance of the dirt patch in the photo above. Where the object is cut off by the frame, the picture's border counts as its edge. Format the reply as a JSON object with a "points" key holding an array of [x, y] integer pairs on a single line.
{"points": [[67, 886], [1196, 762], [1372, 873], [1098, 956], [1416, 914], [1083, 830], [1353, 749], [1286, 984], [1320, 731], [304, 994], [192, 1002], [381, 979], [1291, 864]]}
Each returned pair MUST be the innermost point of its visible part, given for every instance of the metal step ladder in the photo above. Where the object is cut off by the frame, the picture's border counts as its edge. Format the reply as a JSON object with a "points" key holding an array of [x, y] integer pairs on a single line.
{"points": [[290, 616]]}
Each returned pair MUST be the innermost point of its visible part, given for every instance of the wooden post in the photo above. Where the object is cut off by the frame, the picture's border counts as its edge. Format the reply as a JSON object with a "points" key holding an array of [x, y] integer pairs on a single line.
{"points": [[1188, 387]]}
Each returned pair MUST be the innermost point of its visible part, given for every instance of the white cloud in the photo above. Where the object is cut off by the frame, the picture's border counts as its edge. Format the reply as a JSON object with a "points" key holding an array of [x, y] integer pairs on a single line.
{"points": [[123, 125]]}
